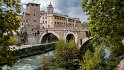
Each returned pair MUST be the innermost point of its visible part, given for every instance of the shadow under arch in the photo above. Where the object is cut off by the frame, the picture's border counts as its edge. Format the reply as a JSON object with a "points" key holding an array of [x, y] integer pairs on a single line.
{"points": [[84, 45], [49, 38], [70, 37]]}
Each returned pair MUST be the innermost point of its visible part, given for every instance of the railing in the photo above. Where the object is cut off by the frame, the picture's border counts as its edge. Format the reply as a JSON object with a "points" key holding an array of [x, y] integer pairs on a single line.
{"points": [[64, 29]]}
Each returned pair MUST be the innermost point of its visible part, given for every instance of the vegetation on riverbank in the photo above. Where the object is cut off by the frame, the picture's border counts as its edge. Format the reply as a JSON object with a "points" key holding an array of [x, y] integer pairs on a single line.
{"points": [[106, 25], [67, 56]]}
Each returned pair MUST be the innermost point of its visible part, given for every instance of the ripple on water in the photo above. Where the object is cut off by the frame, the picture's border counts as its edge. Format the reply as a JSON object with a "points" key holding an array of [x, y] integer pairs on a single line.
{"points": [[24, 67], [29, 63]]}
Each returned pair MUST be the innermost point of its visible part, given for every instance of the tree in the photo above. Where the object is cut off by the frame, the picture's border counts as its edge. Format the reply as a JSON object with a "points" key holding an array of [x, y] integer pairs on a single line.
{"points": [[94, 60], [106, 24], [67, 55], [9, 23], [85, 25]]}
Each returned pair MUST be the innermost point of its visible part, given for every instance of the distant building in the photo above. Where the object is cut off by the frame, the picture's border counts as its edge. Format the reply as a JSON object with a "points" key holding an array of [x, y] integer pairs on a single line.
{"points": [[50, 19]]}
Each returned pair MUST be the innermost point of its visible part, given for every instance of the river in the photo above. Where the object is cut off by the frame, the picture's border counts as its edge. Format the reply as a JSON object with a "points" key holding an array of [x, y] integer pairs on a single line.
{"points": [[30, 63]]}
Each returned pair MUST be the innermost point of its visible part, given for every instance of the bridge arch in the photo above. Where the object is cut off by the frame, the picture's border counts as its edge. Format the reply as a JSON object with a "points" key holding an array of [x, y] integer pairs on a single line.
{"points": [[48, 37], [71, 35], [84, 44]]}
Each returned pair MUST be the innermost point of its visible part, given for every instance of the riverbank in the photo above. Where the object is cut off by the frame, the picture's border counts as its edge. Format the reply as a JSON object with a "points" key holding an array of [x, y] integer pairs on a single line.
{"points": [[34, 50]]}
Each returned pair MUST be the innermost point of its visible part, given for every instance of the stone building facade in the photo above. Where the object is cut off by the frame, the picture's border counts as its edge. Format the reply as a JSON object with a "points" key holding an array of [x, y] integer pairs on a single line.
{"points": [[49, 19], [30, 25]]}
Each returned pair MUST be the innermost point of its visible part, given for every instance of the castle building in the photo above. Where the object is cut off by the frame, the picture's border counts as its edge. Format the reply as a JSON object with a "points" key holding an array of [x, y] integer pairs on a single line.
{"points": [[35, 20]]}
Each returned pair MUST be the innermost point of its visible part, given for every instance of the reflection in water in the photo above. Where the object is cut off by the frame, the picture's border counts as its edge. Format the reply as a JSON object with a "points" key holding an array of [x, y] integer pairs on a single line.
{"points": [[30, 63]]}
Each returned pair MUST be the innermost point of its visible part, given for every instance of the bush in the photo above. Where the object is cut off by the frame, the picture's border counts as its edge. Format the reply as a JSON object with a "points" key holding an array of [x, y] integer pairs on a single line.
{"points": [[67, 55], [45, 63]]}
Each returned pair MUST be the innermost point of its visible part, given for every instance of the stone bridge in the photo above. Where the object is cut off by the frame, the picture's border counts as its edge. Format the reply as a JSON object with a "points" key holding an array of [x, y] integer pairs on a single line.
{"points": [[54, 34]]}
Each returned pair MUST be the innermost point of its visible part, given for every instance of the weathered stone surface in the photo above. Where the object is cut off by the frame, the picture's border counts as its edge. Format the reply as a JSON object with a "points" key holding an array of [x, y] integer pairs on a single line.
{"points": [[120, 66]]}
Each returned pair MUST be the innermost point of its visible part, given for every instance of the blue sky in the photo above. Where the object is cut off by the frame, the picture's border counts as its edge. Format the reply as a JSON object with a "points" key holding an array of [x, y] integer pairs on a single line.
{"points": [[67, 7]]}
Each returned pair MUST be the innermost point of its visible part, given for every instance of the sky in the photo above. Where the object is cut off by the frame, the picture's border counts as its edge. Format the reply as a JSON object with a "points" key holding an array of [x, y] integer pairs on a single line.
{"points": [[71, 8]]}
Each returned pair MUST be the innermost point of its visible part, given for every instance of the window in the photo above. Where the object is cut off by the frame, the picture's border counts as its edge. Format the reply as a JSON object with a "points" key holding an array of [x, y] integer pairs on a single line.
{"points": [[81, 41], [43, 27], [32, 4], [26, 20], [34, 20], [27, 4], [36, 4], [34, 14], [35, 34], [32, 29], [48, 26], [87, 34], [46, 21], [22, 23]]}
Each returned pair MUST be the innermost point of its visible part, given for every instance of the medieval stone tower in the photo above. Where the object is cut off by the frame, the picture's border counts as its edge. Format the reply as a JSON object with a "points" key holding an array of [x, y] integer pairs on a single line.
{"points": [[32, 22]]}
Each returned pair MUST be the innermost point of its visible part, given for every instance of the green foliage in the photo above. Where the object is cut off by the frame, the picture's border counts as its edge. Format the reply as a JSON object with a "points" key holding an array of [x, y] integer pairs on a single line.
{"points": [[106, 26], [67, 55], [85, 25], [9, 22], [45, 63], [18, 43], [112, 62], [93, 60]]}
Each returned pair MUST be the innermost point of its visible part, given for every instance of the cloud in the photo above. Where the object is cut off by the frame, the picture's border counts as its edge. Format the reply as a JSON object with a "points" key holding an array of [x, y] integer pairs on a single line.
{"points": [[68, 7]]}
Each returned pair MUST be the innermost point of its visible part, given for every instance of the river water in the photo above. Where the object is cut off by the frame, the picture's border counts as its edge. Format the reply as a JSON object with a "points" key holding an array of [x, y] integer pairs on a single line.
{"points": [[30, 63]]}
